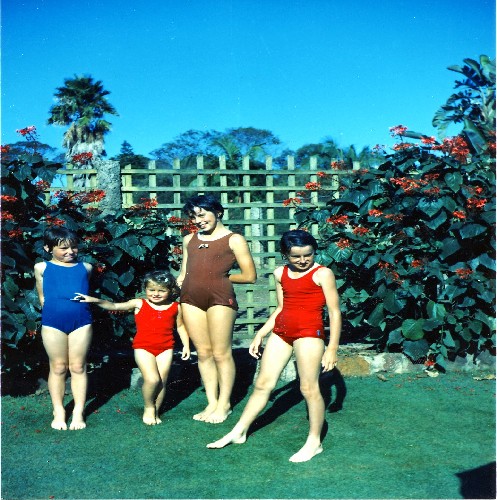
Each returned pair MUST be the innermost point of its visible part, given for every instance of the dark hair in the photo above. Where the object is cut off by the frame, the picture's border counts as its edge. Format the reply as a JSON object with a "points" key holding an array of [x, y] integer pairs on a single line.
{"points": [[207, 202], [56, 235], [296, 238], [162, 278]]}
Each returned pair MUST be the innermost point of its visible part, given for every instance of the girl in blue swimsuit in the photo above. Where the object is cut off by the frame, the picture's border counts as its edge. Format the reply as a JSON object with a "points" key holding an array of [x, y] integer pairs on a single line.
{"points": [[66, 325]]}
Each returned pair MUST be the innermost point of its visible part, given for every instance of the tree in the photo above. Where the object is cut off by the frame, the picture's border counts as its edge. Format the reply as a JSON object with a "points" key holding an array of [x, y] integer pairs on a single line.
{"points": [[82, 105], [128, 157]]}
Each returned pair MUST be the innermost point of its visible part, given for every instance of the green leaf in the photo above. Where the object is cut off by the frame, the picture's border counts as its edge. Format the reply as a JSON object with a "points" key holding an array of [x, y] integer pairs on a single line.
{"points": [[437, 222], [436, 311], [149, 241], [449, 247], [392, 303], [454, 181], [126, 278], [376, 317], [416, 349], [487, 261], [412, 329], [131, 245], [448, 340], [471, 230], [430, 207], [395, 338]]}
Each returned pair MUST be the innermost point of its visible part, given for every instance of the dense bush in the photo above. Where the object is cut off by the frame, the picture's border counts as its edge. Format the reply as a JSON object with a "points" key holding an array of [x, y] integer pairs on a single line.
{"points": [[413, 241], [122, 246]]}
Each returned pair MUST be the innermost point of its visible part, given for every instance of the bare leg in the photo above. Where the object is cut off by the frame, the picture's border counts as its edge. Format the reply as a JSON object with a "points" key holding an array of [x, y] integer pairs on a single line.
{"points": [[220, 321], [79, 343], [147, 363], [276, 356], [309, 352], [196, 324], [56, 346], [164, 361]]}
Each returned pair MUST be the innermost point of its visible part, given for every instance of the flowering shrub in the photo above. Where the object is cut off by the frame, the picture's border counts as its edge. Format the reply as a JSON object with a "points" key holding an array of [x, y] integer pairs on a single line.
{"points": [[412, 242], [121, 247]]}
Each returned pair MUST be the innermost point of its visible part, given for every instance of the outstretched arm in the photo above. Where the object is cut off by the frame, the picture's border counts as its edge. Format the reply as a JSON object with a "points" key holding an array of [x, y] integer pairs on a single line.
{"points": [[107, 305], [244, 259]]}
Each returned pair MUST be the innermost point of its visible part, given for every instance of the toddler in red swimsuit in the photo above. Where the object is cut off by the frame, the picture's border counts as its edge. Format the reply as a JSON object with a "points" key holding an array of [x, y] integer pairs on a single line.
{"points": [[303, 289], [155, 318]]}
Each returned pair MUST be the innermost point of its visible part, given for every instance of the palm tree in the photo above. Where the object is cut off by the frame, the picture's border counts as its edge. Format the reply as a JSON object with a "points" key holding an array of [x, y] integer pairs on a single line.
{"points": [[82, 104]]}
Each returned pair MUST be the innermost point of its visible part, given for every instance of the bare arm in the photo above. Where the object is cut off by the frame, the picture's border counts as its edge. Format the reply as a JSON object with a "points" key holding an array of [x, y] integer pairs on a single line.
{"points": [[39, 269], [269, 324], [110, 306], [328, 284], [183, 335], [244, 259], [184, 260]]}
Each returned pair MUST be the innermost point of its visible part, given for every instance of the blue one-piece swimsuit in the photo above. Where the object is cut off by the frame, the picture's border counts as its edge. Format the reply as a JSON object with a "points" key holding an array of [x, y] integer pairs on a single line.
{"points": [[60, 284]]}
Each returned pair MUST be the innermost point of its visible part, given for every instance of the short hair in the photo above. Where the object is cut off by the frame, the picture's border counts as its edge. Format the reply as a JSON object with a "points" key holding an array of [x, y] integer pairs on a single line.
{"points": [[56, 235], [207, 202], [164, 279], [296, 238]]}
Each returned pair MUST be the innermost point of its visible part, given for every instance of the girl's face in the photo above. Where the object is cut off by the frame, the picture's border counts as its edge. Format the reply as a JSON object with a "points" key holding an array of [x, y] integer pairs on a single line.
{"points": [[155, 293], [301, 258], [205, 221], [65, 252]]}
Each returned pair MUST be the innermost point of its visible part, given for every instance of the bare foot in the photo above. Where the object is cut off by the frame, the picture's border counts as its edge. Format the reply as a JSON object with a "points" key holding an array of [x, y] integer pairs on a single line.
{"points": [[158, 420], [149, 416], [217, 417], [203, 415], [230, 438], [306, 453], [59, 420], [77, 422]]}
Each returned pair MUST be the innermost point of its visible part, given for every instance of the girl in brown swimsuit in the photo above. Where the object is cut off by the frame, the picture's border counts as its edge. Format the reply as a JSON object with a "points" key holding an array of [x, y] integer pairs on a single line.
{"points": [[208, 300]]}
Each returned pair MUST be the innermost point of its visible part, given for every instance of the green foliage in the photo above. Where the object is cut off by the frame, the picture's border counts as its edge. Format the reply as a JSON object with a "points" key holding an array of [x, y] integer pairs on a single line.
{"points": [[121, 246], [413, 241]]}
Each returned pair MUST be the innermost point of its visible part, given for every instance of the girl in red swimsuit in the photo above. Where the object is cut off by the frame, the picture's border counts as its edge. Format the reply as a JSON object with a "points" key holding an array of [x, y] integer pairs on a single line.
{"points": [[303, 289], [155, 318]]}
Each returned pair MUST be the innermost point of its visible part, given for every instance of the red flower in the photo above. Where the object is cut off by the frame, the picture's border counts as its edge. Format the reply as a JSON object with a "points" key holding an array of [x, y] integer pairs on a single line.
{"points": [[455, 146], [361, 231], [324, 174], [338, 165], [338, 219], [428, 140], [292, 201], [5, 215], [313, 186], [175, 220], [82, 158], [459, 214], [431, 177], [42, 185], [434, 191], [15, 233], [417, 263], [27, 130], [394, 217], [8, 198], [430, 362], [54, 221], [375, 213], [476, 203], [100, 268], [464, 273], [5, 149], [177, 251], [403, 145], [343, 243], [407, 184], [397, 130], [95, 238]]}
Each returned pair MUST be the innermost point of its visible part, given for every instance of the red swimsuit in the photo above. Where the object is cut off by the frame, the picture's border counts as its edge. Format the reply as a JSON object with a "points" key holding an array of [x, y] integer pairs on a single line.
{"points": [[303, 304], [154, 328]]}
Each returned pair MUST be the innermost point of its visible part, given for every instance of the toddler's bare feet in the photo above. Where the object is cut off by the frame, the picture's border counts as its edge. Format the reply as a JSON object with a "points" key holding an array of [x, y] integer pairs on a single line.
{"points": [[306, 452], [203, 415], [77, 422], [230, 438], [149, 416], [59, 420]]}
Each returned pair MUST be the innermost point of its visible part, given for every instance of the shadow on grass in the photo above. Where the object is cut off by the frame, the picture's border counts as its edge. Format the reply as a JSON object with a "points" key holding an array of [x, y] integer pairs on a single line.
{"points": [[479, 482], [332, 387]]}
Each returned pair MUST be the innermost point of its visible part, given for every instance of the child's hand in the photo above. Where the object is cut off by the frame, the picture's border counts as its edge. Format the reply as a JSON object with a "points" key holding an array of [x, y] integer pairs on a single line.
{"points": [[254, 348], [185, 354], [329, 360], [80, 297]]}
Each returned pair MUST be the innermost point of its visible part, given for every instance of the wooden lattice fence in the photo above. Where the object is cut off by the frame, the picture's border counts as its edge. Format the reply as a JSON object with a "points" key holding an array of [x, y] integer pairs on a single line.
{"points": [[253, 200]]}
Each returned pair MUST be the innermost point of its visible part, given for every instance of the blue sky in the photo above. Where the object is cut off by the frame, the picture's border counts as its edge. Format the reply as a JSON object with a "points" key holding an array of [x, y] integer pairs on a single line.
{"points": [[303, 69]]}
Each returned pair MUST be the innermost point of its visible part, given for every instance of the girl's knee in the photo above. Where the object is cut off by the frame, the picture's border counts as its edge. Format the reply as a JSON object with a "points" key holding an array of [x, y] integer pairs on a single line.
{"points": [[77, 368], [58, 368], [264, 385], [310, 391], [152, 380]]}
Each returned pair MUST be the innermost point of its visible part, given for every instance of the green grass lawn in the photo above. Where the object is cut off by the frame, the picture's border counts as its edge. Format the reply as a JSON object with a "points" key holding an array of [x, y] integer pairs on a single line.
{"points": [[406, 437]]}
